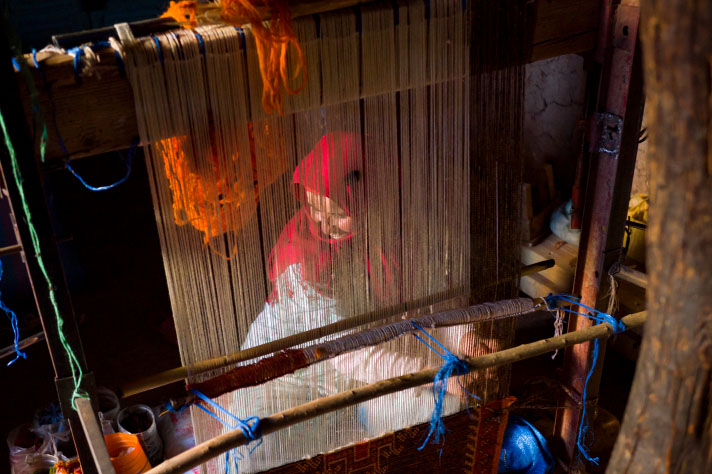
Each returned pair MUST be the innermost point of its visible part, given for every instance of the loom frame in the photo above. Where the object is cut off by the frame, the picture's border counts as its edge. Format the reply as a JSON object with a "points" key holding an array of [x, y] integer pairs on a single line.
{"points": [[564, 37]]}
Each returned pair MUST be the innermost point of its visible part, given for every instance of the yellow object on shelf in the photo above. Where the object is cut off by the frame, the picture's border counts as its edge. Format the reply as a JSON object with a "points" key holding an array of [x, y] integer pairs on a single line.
{"points": [[637, 212]]}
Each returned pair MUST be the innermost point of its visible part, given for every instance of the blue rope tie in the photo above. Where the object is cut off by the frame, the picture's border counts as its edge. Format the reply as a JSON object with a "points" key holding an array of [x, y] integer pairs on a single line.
{"points": [[552, 304], [60, 139], [13, 322], [243, 41], [78, 52], [453, 366], [170, 408], [201, 43], [250, 427], [158, 48], [129, 163]]}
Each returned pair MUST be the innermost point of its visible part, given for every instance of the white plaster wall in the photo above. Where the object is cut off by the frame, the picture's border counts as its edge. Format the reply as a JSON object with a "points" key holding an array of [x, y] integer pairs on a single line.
{"points": [[554, 100]]}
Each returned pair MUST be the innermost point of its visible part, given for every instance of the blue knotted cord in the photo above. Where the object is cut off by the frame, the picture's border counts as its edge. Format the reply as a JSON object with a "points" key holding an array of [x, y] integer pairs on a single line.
{"points": [[13, 322], [453, 366], [250, 427], [552, 304], [78, 52]]}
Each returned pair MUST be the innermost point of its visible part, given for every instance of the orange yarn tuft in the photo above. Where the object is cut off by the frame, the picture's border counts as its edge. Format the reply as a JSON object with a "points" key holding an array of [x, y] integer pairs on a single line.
{"points": [[273, 42], [220, 202], [184, 12]]}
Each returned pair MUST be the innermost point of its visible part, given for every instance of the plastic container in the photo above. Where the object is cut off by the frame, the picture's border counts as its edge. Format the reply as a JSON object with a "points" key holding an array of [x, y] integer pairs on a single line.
{"points": [[140, 420], [126, 453], [108, 403]]}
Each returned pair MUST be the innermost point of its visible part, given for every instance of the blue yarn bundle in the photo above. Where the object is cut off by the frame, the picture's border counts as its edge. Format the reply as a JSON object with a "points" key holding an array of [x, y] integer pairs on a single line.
{"points": [[453, 367], [524, 449], [552, 303], [13, 323]]}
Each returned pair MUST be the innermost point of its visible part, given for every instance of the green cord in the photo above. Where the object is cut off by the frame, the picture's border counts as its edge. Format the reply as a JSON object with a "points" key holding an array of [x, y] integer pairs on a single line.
{"points": [[74, 364]]}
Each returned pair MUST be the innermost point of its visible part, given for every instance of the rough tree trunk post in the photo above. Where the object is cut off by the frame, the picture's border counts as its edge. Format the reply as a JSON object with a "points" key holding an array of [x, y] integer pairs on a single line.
{"points": [[668, 422]]}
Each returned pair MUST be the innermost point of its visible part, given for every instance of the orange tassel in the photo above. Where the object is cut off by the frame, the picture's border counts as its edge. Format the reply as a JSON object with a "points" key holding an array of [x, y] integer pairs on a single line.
{"points": [[273, 43]]}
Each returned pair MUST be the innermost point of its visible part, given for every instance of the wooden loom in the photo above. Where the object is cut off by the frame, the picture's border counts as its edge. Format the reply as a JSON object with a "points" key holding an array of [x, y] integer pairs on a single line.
{"points": [[553, 34]]}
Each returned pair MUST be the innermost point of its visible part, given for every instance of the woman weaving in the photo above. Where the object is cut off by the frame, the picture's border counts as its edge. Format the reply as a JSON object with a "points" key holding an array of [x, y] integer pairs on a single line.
{"points": [[321, 272]]}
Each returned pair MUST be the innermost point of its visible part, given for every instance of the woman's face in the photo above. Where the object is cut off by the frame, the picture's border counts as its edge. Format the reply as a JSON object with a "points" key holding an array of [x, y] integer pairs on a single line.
{"points": [[333, 222]]}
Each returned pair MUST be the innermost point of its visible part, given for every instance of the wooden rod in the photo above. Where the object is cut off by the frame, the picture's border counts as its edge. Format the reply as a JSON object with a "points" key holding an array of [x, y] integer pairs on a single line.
{"points": [[635, 277], [27, 342], [98, 115], [150, 382], [287, 362], [220, 444], [95, 437], [179, 373], [10, 250]]}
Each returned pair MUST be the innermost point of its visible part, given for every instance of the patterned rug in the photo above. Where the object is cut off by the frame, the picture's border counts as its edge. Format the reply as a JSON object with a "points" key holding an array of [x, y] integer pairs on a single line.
{"points": [[472, 444]]}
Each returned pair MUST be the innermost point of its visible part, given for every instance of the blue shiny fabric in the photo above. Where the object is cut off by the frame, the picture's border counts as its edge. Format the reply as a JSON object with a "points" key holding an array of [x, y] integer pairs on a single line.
{"points": [[524, 449]]}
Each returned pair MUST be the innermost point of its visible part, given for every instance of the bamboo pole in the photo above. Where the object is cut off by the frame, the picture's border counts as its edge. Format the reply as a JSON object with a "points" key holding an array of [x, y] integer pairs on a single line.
{"points": [[150, 382], [233, 439], [287, 362], [179, 373]]}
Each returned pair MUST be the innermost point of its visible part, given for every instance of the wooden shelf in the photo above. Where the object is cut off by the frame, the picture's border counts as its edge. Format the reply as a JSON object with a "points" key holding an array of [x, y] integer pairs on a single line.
{"points": [[98, 116]]}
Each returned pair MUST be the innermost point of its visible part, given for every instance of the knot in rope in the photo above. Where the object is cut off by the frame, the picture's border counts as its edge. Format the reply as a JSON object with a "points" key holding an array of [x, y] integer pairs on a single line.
{"points": [[454, 366], [250, 427], [553, 303]]}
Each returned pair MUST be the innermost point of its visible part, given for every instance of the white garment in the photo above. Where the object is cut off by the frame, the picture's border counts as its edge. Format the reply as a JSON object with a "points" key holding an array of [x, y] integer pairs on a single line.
{"points": [[298, 309]]}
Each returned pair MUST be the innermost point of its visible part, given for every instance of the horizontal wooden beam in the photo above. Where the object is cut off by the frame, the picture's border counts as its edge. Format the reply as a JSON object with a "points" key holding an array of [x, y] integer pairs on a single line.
{"points": [[97, 114]]}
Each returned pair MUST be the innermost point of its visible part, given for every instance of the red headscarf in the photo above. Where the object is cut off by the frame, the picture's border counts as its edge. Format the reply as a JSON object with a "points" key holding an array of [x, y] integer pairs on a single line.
{"points": [[334, 168]]}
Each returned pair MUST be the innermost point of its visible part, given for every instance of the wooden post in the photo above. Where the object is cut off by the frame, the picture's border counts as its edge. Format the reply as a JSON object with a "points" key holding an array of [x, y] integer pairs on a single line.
{"points": [[668, 421], [614, 140], [26, 195]]}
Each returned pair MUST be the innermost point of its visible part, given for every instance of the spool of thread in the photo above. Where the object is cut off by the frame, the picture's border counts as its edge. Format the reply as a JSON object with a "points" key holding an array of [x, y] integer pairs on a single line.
{"points": [[126, 453], [41, 463], [140, 420], [108, 403]]}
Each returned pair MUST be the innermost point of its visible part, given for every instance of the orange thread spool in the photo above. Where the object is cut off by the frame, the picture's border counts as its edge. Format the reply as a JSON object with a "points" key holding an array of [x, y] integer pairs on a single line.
{"points": [[126, 453]]}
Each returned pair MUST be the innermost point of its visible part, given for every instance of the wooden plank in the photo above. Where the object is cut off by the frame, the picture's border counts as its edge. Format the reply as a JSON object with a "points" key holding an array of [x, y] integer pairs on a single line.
{"points": [[564, 27], [95, 437], [97, 115]]}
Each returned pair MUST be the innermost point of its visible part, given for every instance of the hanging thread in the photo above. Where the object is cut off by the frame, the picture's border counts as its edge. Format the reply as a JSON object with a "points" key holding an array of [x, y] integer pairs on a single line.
{"points": [[453, 366], [74, 364], [129, 163], [13, 322], [552, 304]]}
